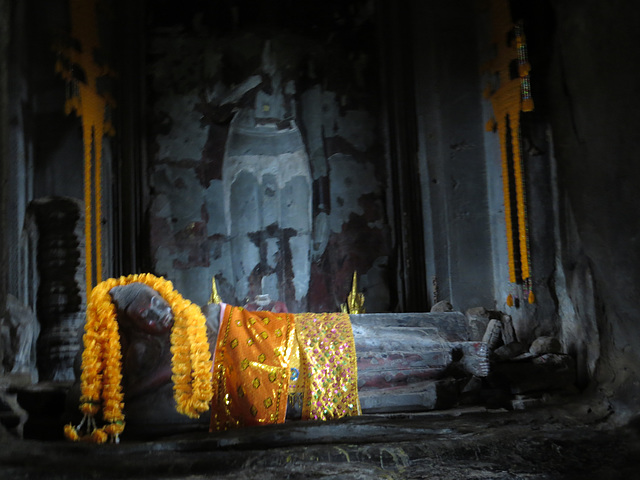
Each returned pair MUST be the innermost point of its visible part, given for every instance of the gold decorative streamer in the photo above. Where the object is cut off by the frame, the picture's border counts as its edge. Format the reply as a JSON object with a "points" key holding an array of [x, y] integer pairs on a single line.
{"points": [[79, 67], [509, 98]]}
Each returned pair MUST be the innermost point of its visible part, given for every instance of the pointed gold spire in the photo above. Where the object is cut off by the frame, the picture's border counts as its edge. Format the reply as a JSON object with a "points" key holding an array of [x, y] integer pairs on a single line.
{"points": [[215, 297], [355, 299]]}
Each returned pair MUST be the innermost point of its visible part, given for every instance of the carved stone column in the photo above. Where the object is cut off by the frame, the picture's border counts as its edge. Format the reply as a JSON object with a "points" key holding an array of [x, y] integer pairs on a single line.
{"points": [[60, 303]]}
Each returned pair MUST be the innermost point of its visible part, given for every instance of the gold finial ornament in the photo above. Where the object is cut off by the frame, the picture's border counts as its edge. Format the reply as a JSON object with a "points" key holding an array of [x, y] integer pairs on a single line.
{"points": [[355, 299], [215, 297]]}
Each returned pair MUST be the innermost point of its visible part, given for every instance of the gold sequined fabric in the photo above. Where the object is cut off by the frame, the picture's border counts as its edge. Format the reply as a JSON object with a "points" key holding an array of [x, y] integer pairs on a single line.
{"points": [[251, 368], [328, 365], [262, 357]]}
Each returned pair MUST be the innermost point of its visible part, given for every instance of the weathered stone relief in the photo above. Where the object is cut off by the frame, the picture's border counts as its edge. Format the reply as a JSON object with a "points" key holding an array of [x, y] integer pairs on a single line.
{"points": [[19, 330], [266, 163]]}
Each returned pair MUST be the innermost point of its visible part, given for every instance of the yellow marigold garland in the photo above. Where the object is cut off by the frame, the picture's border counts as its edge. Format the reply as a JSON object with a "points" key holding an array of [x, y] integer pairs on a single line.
{"points": [[101, 379]]}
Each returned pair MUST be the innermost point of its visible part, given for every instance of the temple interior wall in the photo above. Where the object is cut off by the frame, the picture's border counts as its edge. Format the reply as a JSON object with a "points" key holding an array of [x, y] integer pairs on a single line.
{"points": [[331, 76]]}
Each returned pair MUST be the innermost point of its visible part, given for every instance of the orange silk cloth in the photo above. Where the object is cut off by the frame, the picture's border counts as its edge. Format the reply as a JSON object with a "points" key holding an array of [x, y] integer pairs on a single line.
{"points": [[256, 354]]}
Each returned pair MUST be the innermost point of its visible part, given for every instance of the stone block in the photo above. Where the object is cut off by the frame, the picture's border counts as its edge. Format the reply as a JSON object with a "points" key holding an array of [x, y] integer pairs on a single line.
{"points": [[442, 306], [510, 351], [546, 373], [493, 335], [543, 345], [508, 332]]}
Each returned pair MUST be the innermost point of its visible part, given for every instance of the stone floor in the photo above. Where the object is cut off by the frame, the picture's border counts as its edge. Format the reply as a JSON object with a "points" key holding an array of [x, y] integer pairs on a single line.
{"points": [[572, 441]]}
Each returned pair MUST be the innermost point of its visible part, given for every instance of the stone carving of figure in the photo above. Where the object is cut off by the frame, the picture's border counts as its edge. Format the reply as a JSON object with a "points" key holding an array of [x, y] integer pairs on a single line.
{"points": [[267, 191], [145, 320], [396, 358], [18, 334]]}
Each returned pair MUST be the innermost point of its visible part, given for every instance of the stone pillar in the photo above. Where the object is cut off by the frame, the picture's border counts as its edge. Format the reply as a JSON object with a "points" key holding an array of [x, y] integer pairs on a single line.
{"points": [[5, 16], [60, 303]]}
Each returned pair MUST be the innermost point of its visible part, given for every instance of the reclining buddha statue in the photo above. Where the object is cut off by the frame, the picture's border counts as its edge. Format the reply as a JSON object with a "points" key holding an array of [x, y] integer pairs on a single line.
{"points": [[256, 367]]}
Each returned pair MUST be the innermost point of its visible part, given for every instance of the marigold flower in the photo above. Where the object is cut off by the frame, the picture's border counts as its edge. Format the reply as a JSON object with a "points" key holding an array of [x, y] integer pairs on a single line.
{"points": [[114, 429], [71, 433], [89, 408], [99, 436]]}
